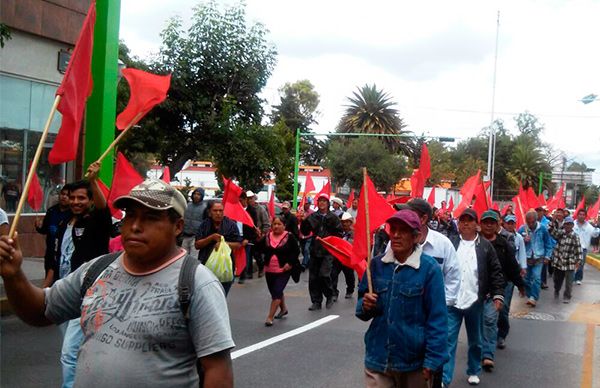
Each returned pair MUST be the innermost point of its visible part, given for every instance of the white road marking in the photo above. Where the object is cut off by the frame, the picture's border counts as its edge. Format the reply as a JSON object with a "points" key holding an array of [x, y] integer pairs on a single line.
{"points": [[281, 337]]}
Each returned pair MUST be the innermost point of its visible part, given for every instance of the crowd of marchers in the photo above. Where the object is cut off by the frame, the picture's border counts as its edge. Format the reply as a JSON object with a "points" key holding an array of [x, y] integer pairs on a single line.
{"points": [[137, 306]]}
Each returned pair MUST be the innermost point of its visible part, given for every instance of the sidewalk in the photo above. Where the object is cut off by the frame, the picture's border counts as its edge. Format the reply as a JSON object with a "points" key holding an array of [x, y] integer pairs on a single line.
{"points": [[34, 270]]}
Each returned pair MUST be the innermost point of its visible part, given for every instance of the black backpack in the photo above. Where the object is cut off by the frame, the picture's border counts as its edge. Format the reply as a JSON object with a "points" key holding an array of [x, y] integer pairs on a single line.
{"points": [[185, 287]]}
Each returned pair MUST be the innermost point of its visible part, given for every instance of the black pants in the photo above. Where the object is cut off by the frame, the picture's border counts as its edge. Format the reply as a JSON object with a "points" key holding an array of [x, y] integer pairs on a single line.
{"points": [[348, 275], [319, 279], [567, 277]]}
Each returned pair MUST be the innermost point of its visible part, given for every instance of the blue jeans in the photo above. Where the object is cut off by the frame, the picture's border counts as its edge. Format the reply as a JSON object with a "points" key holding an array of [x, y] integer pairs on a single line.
{"points": [[70, 349], [503, 323], [490, 329], [473, 322], [579, 272], [533, 280], [306, 251]]}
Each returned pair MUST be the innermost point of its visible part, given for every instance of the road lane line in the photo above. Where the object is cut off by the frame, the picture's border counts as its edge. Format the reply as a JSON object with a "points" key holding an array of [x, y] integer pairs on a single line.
{"points": [[281, 337], [588, 357]]}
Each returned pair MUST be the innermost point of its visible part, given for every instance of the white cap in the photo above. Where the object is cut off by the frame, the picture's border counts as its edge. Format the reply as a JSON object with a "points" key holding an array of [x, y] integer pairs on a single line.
{"points": [[337, 200], [250, 194], [347, 216]]}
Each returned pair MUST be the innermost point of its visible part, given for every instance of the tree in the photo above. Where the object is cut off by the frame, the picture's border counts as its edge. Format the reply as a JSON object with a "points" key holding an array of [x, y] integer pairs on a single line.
{"points": [[371, 111], [527, 161], [219, 65], [528, 124], [346, 159]]}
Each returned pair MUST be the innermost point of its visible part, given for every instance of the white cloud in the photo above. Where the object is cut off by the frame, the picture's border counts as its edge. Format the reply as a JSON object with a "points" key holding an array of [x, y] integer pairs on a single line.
{"points": [[435, 58]]}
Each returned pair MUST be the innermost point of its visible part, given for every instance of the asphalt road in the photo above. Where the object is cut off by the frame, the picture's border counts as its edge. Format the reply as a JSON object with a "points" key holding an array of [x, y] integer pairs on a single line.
{"points": [[554, 345]]}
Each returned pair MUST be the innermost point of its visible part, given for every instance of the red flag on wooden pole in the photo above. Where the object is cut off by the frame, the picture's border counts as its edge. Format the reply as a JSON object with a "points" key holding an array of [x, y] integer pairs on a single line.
{"points": [[431, 197], [74, 90], [309, 186], [326, 189], [35, 196], [425, 163], [232, 207], [124, 179], [467, 192], [417, 184]]}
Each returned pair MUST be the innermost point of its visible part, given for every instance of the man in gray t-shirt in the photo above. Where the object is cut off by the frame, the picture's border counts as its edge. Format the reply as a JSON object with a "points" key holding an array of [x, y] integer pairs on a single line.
{"points": [[134, 331]]}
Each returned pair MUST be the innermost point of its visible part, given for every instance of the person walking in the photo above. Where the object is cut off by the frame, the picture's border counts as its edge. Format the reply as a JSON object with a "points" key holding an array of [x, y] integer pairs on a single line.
{"points": [[209, 235], [538, 248], [322, 223], [48, 225], [195, 212], [407, 338], [566, 257], [306, 240], [490, 227], [481, 276], [586, 232], [263, 224], [348, 235], [281, 252], [289, 220], [148, 341]]}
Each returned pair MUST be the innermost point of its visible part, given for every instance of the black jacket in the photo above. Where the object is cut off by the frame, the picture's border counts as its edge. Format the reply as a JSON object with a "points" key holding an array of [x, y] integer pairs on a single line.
{"points": [[52, 220], [322, 225], [491, 280], [506, 256], [291, 223]]}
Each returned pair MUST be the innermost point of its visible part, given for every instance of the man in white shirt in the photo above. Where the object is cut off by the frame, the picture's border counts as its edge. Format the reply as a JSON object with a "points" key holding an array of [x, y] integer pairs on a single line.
{"points": [[586, 232]]}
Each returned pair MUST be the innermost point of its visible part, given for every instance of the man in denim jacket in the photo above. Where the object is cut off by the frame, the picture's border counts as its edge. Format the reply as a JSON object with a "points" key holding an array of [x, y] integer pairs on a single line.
{"points": [[407, 339], [538, 247]]}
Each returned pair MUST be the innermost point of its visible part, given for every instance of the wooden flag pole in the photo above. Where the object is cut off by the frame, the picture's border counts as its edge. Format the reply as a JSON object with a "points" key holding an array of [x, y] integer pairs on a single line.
{"points": [[118, 138], [369, 253], [33, 168]]}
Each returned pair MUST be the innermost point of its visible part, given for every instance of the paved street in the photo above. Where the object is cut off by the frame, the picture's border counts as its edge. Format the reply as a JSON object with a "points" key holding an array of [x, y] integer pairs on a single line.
{"points": [[550, 346]]}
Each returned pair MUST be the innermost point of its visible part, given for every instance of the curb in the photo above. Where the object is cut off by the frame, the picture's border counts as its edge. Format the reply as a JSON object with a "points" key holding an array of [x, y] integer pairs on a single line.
{"points": [[593, 262]]}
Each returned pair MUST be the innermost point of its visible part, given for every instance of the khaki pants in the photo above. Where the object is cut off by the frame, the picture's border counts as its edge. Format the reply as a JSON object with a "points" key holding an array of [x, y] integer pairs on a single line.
{"points": [[412, 379]]}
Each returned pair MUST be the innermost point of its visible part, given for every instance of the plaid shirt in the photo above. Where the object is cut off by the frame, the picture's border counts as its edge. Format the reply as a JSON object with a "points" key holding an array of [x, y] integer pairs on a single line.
{"points": [[567, 252]]}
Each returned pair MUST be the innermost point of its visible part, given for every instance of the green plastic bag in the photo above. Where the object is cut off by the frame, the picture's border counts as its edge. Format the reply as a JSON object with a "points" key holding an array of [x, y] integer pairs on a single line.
{"points": [[219, 262]]}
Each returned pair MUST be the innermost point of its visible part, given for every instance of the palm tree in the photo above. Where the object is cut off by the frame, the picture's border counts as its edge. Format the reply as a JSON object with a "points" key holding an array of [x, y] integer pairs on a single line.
{"points": [[527, 161], [371, 111]]}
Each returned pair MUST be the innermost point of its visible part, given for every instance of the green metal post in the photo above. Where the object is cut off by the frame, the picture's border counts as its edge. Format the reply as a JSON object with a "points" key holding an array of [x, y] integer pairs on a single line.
{"points": [[102, 104], [296, 169], [541, 183]]}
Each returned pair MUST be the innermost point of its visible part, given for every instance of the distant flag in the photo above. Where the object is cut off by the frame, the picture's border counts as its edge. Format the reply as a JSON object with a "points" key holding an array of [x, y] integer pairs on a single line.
{"points": [[35, 196], [425, 163], [580, 206], [594, 210], [125, 178], [74, 90], [326, 189], [482, 203], [145, 91], [467, 191], [166, 177], [451, 204], [309, 186], [271, 205], [350, 199], [232, 207], [417, 184], [431, 197]]}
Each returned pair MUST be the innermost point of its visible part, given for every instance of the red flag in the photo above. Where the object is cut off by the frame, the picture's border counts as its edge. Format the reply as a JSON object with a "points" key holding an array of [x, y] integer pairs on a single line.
{"points": [[495, 206], [425, 163], [505, 209], [379, 212], [542, 200], [580, 206], [326, 189], [519, 212], [350, 199], [396, 200], [309, 186], [481, 200], [467, 192], [532, 199], [35, 196], [74, 90], [451, 204], [557, 200], [124, 179], [145, 91], [271, 205], [342, 250], [594, 210], [431, 197], [117, 213], [166, 177], [240, 260], [232, 207], [417, 184]]}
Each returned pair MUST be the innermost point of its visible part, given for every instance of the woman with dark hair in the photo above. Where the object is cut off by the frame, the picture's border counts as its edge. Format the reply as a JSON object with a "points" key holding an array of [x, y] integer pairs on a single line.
{"points": [[209, 235], [281, 252]]}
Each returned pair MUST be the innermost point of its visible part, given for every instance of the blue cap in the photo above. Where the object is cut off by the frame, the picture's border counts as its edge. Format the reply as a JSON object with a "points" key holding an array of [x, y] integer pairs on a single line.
{"points": [[510, 218], [569, 220]]}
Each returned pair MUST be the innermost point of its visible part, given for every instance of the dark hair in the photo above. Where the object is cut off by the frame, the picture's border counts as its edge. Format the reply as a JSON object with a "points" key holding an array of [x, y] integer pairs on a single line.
{"points": [[211, 203], [83, 184], [582, 211], [66, 187], [277, 218], [243, 195], [173, 215]]}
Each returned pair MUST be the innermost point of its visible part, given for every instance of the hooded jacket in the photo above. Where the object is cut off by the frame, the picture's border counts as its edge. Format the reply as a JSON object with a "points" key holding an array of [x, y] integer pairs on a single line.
{"points": [[194, 214]]}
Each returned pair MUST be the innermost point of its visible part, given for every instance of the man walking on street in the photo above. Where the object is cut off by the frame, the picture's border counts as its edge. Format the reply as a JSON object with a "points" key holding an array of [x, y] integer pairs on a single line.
{"points": [[481, 276], [193, 217], [147, 341], [322, 223], [490, 226], [407, 339], [566, 257], [586, 232], [538, 248]]}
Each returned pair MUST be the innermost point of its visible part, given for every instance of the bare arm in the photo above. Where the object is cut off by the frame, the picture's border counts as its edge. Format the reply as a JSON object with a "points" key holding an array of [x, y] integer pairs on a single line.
{"points": [[27, 301], [4, 229], [218, 371], [49, 279], [203, 242], [92, 173]]}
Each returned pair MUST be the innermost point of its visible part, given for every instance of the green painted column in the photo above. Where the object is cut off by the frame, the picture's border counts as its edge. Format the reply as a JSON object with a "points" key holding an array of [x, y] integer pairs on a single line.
{"points": [[102, 104]]}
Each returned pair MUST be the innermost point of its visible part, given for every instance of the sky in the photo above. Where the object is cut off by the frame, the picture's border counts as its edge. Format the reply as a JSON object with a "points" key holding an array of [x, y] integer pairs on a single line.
{"points": [[434, 58]]}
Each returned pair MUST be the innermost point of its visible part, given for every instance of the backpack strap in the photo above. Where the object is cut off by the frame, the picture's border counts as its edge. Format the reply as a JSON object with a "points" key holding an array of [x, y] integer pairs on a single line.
{"points": [[185, 286], [96, 270]]}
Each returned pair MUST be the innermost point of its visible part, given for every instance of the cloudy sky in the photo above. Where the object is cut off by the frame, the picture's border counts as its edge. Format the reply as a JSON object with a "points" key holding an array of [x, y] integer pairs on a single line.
{"points": [[436, 59]]}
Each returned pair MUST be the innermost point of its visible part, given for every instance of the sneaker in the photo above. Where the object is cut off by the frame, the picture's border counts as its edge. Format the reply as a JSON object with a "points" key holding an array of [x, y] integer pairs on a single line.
{"points": [[544, 286], [578, 282], [501, 343], [348, 295], [566, 301], [329, 303], [473, 380], [487, 364], [314, 307]]}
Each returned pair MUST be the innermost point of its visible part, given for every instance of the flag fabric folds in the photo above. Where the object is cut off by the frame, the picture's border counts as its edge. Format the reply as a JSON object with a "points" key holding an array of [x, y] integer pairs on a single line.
{"points": [[232, 207], [342, 250], [145, 91], [451, 204], [431, 197], [417, 184], [166, 177], [467, 191], [35, 196], [482, 201], [350, 199], [74, 91], [125, 178], [326, 189], [271, 205], [580, 206], [239, 256], [309, 186], [425, 163], [594, 210]]}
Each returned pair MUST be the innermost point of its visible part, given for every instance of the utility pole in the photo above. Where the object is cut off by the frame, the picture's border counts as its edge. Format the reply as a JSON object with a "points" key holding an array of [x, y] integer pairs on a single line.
{"points": [[492, 142]]}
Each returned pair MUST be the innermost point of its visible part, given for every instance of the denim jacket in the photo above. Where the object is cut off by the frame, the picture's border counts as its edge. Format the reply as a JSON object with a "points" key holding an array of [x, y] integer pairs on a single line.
{"points": [[541, 244], [409, 327]]}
